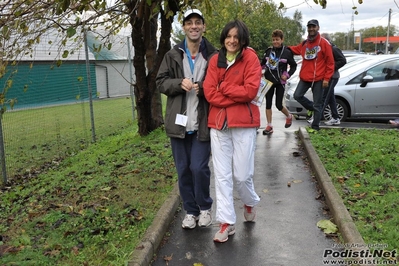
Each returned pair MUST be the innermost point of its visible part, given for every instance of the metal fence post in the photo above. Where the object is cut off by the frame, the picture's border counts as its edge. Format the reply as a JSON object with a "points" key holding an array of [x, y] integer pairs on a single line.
{"points": [[131, 77], [93, 129], [2, 152]]}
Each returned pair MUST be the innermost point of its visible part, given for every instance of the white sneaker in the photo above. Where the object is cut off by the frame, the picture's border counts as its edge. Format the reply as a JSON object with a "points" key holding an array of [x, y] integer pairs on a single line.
{"points": [[189, 222], [310, 120], [205, 218], [249, 213], [332, 122], [224, 232]]}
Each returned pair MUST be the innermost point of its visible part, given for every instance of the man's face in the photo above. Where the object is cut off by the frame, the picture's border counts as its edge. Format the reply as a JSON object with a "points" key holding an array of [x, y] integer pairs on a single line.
{"points": [[194, 28], [313, 30]]}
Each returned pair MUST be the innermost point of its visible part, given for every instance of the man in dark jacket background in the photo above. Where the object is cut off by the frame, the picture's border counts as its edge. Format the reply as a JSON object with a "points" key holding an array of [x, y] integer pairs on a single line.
{"points": [[180, 78], [329, 96]]}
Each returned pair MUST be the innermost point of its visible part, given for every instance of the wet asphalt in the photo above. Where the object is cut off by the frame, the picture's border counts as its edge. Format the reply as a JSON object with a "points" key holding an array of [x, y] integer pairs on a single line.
{"points": [[284, 232]]}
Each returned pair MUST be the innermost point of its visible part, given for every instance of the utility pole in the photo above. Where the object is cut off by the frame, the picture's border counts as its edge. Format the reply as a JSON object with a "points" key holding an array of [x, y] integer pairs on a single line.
{"points": [[389, 22], [353, 28]]}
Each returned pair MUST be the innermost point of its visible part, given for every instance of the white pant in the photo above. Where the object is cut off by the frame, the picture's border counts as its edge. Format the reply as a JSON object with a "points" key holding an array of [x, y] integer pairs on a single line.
{"points": [[233, 152]]}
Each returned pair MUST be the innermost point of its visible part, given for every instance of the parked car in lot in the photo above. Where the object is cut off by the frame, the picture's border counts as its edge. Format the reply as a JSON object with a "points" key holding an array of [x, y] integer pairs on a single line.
{"points": [[368, 87]]}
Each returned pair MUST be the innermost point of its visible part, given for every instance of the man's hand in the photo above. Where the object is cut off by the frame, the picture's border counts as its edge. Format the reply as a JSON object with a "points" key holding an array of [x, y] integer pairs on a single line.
{"points": [[187, 84], [325, 84]]}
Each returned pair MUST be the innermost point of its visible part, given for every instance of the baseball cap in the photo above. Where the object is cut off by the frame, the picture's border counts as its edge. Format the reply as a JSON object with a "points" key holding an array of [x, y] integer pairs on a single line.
{"points": [[313, 22], [191, 12]]}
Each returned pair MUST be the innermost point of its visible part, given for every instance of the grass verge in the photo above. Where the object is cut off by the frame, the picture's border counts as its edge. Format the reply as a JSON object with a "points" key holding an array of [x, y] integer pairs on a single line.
{"points": [[91, 208], [364, 167], [35, 136]]}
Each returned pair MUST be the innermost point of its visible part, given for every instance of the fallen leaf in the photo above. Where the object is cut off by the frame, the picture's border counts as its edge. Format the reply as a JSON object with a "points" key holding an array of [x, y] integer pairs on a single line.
{"points": [[265, 190], [52, 253], [297, 181], [189, 256], [75, 250], [168, 258], [327, 226], [357, 185], [319, 195], [350, 202], [136, 214], [198, 264], [360, 196], [340, 179], [8, 249]]}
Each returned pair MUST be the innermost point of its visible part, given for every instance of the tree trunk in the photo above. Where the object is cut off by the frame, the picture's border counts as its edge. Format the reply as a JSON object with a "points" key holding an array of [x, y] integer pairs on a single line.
{"points": [[147, 60], [148, 101]]}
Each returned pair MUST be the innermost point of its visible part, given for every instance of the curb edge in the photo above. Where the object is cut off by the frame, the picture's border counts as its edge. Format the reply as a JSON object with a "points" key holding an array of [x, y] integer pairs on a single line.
{"points": [[339, 212]]}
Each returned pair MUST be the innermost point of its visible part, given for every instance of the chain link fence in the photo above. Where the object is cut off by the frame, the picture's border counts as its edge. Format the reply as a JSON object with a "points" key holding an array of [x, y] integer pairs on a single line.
{"points": [[59, 110]]}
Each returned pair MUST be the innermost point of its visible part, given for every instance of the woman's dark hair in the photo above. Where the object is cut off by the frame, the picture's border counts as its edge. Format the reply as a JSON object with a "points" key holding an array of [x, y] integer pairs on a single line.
{"points": [[242, 29]]}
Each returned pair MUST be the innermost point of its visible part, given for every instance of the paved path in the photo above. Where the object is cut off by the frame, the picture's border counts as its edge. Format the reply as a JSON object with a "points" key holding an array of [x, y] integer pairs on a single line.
{"points": [[285, 231]]}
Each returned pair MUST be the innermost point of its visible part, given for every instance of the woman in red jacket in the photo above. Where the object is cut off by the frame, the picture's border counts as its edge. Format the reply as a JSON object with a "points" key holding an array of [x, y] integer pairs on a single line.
{"points": [[231, 83]]}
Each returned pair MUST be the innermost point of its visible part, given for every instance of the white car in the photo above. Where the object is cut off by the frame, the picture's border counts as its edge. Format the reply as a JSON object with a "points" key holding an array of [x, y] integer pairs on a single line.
{"points": [[368, 87]]}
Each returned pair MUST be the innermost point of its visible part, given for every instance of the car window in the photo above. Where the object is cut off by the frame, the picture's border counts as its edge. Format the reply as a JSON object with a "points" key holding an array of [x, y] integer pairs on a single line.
{"points": [[377, 72], [385, 71], [391, 70]]}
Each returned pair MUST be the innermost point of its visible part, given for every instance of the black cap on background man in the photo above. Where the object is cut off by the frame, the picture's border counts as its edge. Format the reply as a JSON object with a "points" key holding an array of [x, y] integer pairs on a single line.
{"points": [[313, 22]]}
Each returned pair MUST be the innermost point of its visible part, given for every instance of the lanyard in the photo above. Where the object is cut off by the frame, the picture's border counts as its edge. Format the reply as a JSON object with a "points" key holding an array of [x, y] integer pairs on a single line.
{"points": [[190, 60], [278, 69]]}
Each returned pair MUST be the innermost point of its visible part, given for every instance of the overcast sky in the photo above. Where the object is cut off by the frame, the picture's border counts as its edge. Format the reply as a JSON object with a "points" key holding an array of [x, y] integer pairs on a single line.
{"points": [[337, 17]]}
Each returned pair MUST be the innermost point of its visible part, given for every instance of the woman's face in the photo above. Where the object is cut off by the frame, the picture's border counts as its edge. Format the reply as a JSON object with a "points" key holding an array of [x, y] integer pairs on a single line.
{"points": [[231, 43], [277, 42]]}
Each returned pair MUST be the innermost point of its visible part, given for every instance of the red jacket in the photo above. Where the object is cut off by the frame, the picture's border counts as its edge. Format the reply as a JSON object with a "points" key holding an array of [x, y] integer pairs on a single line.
{"points": [[230, 90], [324, 62]]}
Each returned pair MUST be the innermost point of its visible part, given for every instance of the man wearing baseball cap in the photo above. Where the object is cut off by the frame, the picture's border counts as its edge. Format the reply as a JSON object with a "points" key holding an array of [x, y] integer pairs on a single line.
{"points": [[180, 78], [316, 71], [191, 12]]}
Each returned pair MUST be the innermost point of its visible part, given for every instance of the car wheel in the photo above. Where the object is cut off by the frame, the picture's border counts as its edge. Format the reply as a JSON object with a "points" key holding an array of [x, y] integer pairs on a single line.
{"points": [[327, 113], [342, 109]]}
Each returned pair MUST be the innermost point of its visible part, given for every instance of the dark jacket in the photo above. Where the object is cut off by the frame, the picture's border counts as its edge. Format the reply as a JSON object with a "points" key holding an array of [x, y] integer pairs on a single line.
{"points": [[169, 78], [280, 58], [339, 60]]}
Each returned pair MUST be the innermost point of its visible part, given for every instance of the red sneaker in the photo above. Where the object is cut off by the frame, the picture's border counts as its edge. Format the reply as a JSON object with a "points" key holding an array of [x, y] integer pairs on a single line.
{"points": [[268, 130], [288, 121]]}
